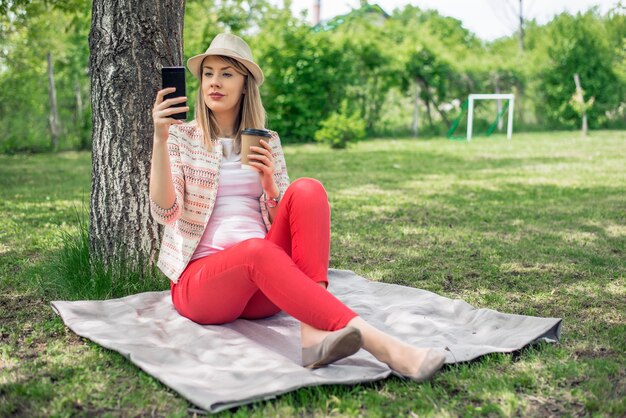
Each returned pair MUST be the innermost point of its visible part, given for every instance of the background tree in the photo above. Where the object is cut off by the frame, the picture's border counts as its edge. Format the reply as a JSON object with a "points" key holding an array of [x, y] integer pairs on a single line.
{"points": [[371, 65], [306, 74], [130, 40], [579, 45], [30, 32], [360, 58]]}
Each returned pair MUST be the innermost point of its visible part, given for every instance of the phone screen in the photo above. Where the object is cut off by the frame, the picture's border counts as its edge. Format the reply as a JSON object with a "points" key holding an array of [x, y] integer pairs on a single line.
{"points": [[175, 77]]}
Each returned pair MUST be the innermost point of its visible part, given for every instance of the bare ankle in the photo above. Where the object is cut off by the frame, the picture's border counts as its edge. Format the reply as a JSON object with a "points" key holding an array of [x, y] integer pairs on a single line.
{"points": [[310, 336]]}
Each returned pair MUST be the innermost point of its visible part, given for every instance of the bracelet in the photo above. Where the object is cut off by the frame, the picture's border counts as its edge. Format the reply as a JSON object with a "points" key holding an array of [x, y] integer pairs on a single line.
{"points": [[271, 202]]}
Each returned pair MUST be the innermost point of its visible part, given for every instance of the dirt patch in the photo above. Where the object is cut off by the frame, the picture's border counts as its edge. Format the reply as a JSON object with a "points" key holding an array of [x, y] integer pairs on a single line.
{"points": [[14, 307], [593, 353], [539, 406]]}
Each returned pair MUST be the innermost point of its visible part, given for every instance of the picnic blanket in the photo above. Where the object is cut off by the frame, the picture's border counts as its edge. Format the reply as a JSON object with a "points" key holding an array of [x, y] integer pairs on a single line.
{"points": [[220, 367]]}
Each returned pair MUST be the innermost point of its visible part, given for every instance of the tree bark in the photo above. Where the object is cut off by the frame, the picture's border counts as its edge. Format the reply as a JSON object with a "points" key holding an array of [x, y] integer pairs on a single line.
{"points": [[415, 127], [130, 40], [54, 114]]}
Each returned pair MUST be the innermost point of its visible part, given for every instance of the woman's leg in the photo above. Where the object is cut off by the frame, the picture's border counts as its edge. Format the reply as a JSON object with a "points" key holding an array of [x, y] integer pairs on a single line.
{"points": [[413, 362], [218, 288], [302, 229]]}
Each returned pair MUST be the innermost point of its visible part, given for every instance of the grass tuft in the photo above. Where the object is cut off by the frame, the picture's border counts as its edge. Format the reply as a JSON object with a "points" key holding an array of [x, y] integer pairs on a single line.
{"points": [[77, 275]]}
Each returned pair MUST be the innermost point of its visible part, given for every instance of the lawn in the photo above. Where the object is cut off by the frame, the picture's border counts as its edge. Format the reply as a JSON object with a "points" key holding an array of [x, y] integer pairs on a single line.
{"points": [[534, 226]]}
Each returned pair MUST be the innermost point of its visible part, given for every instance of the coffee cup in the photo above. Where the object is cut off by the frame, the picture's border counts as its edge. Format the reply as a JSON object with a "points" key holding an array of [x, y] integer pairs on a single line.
{"points": [[251, 137]]}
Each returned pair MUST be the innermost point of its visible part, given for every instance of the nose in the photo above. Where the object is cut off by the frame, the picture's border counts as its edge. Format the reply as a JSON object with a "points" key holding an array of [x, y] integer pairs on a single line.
{"points": [[214, 81]]}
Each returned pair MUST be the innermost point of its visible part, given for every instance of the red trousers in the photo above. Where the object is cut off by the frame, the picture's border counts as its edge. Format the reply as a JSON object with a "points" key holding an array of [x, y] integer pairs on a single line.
{"points": [[259, 277]]}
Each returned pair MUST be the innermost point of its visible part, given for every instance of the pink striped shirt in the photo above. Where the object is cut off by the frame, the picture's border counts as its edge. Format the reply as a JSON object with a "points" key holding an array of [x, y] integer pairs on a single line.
{"points": [[237, 214]]}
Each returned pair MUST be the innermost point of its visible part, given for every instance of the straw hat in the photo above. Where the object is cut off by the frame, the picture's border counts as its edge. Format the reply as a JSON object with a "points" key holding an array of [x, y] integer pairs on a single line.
{"points": [[231, 46]]}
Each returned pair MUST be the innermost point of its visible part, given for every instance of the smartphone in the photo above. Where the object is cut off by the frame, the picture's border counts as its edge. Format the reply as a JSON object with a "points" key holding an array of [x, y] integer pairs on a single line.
{"points": [[175, 77]]}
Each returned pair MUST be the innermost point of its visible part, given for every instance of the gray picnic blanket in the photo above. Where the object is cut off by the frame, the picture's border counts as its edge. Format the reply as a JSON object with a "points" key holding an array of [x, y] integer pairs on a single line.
{"points": [[220, 367]]}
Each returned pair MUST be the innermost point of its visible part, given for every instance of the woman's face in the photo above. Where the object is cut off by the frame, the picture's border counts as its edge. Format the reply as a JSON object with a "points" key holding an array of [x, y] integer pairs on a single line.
{"points": [[222, 86]]}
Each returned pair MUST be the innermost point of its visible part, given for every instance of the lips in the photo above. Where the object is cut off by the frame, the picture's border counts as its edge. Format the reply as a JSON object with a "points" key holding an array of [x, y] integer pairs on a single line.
{"points": [[216, 95]]}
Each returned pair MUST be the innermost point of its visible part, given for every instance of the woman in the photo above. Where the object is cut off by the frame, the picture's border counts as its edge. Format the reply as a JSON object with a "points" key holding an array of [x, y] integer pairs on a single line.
{"points": [[246, 243]]}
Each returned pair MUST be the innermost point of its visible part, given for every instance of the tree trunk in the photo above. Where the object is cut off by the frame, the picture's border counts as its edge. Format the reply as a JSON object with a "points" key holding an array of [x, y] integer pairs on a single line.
{"points": [[426, 98], [79, 124], [130, 40], [441, 113], [498, 103], [375, 105], [79, 104], [415, 127], [54, 114], [579, 92]]}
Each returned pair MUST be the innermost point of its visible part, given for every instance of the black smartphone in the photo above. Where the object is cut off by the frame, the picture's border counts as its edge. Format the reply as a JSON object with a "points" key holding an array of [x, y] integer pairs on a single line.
{"points": [[175, 77]]}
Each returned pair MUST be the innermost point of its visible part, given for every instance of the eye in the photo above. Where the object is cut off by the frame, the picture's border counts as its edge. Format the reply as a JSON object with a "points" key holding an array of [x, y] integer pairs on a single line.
{"points": [[228, 75], [207, 74]]}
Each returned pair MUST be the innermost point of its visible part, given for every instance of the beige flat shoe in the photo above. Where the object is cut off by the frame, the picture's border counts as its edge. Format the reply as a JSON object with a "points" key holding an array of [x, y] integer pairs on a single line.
{"points": [[433, 361], [335, 346]]}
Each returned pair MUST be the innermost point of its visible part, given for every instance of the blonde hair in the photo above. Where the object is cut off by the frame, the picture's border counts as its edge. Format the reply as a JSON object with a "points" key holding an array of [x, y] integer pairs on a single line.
{"points": [[251, 112]]}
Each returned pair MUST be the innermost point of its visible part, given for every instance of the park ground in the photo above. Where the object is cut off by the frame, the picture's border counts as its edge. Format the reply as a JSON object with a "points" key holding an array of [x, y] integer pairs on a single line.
{"points": [[535, 226]]}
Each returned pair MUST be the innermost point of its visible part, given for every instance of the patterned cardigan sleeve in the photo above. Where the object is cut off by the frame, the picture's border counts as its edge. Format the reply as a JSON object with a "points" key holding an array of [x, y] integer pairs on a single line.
{"points": [[167, 216], [280, 175]]}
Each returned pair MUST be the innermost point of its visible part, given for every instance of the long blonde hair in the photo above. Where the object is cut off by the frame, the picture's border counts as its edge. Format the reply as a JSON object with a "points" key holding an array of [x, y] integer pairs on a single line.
{"points": [[251, 112]]}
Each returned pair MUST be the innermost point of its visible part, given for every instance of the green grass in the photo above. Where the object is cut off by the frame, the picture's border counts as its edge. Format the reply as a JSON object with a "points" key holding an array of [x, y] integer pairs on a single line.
{"points": [[534, 226]]}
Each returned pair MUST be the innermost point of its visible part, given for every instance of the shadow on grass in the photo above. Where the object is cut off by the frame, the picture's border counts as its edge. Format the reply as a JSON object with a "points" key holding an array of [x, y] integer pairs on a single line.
{"points": [[360, 167]]}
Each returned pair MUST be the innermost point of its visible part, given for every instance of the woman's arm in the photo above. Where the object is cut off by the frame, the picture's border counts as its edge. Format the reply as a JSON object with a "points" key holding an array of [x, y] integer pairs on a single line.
{"points": [[163, 202], [167, 184], [275, 193], [274, 178]]}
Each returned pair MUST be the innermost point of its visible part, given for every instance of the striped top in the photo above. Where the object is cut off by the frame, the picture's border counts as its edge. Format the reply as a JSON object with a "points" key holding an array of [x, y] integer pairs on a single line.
{"points": [[196, 175], [236, 214]]}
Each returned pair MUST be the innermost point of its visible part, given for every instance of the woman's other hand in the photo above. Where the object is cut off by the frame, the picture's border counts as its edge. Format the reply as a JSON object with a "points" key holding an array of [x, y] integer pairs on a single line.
{"points": [[162, 111], [265, 166]]}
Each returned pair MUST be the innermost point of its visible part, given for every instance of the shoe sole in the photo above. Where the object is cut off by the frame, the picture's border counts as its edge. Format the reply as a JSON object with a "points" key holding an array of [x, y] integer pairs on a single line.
{"points": [[338, 349]]}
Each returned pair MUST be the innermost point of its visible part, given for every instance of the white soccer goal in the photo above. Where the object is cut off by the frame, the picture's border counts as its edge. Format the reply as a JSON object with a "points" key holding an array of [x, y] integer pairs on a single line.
{"points": [[470, 111]]}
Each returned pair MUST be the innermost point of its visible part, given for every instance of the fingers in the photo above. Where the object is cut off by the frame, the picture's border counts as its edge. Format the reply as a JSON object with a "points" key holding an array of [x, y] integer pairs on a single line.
{"points": [[266, 145], [256, 166], [261, 168], [160, 103], [264, 159], [162, 93], [165, 91], [171, 111], [169, 102], [164, 108], [266, 150], [265, 163]]}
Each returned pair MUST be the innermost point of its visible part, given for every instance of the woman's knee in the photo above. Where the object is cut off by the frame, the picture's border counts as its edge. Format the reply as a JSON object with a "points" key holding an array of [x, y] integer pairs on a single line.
{"points": [[254, 250], [308, 187]]}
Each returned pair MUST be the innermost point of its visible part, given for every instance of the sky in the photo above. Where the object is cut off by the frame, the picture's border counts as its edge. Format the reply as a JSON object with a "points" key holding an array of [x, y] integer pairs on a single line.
{"points": [[488, 19]]}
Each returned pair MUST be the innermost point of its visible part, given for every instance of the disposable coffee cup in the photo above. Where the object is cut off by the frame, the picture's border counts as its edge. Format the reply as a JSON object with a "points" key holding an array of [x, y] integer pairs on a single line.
{"points": [[251, 138]]}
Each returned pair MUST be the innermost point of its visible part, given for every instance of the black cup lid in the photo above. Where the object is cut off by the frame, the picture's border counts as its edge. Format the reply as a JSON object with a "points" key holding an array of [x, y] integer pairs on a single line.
{"points": [[256, 132]]}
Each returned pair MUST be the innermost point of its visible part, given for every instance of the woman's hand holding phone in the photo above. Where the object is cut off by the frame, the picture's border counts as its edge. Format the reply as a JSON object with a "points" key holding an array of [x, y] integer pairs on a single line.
{"points": [[162, 111]]}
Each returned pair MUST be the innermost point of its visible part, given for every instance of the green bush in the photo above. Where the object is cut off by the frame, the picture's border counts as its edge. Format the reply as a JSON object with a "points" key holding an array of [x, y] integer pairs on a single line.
{"points": [[339, 129]]}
